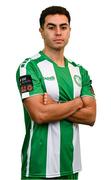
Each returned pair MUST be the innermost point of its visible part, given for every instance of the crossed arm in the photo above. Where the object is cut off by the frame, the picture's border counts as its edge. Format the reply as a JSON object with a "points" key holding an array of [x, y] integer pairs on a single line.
{"points": [[87, 114], [43, 109]]}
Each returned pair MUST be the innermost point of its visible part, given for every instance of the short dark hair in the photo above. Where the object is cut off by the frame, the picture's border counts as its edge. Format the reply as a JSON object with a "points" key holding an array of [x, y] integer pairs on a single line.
{"points": [[51, 11]]}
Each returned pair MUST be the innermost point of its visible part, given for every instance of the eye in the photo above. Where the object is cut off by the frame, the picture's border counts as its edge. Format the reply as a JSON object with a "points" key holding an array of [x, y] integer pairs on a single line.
{"points": [[51, 27], [64, 27]]}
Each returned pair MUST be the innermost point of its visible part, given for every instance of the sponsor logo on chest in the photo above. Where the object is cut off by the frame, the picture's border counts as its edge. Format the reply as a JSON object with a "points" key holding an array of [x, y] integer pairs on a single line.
{"points": [[49, 78]]}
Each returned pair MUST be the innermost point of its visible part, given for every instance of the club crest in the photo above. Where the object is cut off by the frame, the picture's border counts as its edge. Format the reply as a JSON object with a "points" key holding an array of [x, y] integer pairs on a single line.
{"points": [[78, 80]]}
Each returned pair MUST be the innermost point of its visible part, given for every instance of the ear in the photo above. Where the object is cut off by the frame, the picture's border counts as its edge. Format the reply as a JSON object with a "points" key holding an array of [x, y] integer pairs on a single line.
{"points": [[41, 30]]}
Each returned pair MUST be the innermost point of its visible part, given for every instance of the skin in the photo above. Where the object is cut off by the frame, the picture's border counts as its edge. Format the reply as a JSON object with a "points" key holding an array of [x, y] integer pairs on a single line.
{"points": [[50, 112], [84, 115], [42, 108], [55, 33]]}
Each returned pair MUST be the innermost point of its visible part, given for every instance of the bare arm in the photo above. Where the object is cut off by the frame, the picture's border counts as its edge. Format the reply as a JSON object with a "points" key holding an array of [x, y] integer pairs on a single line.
{"points": [[44, 113], [87, 114]]}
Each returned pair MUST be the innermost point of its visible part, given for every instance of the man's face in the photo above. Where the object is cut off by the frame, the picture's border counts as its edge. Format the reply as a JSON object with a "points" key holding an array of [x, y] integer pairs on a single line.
{"points": [[56, 31]]}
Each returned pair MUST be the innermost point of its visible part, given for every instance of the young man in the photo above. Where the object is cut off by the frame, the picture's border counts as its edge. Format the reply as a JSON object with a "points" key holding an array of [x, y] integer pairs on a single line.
{"points": [[57, 96]]}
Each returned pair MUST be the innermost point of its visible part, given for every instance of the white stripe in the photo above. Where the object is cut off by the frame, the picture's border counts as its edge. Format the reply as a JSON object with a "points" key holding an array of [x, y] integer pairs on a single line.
{"points": [[22, 71], [29, 149], [76, 144], [53, 150], [36, 56], [53, 141], [76, 155], [47, 70], [25, 64], [75, 71]]}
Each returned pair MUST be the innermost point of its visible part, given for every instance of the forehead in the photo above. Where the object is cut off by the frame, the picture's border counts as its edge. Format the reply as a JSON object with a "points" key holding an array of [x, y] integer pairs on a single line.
{"points": [[56, 19]]}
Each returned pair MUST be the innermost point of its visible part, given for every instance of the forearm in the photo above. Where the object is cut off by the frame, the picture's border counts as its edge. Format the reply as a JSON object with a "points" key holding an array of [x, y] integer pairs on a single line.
{"points": [[50, 112], [55, 112], [85, 115]]}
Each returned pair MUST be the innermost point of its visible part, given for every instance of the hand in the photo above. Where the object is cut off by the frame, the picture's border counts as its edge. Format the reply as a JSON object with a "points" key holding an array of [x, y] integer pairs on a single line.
{"points": [[48, 100], [79, 102]]}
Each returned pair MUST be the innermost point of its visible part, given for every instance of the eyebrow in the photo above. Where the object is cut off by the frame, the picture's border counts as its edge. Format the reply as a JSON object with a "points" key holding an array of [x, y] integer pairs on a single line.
{"points": [[52, 24]]}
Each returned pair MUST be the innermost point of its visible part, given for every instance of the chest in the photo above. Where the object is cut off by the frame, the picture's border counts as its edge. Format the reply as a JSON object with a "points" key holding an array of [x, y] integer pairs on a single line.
{"points": [[61, 83]]}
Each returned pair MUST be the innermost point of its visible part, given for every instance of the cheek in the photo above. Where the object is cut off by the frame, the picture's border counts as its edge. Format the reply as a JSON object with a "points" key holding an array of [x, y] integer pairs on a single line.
{"points": [[48, 36], [67, 36], [44, 35]]}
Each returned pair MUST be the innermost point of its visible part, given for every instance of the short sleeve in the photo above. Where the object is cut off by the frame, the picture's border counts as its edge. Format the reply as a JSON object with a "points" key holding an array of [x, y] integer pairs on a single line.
{"points": [[28, 81], [87, 89]]}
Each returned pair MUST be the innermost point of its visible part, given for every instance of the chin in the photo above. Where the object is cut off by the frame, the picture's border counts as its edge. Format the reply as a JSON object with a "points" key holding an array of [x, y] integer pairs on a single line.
{"points": [[58, 47]]}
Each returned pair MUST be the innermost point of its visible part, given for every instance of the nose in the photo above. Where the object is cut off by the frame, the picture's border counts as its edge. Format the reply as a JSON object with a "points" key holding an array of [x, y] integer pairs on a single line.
{"points": [[58, 31]]}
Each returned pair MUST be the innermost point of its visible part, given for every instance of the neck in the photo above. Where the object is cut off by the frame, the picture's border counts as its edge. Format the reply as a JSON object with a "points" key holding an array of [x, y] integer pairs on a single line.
{"points": [[56, 55]]}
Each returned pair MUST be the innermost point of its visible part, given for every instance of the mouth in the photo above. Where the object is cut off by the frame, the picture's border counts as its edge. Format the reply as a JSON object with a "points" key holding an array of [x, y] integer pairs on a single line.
{"points": [[58, 40]]}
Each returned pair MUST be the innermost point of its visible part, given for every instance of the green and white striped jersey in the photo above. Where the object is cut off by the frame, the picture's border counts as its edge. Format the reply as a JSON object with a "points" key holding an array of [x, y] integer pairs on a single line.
{"points": [[52, 149]]}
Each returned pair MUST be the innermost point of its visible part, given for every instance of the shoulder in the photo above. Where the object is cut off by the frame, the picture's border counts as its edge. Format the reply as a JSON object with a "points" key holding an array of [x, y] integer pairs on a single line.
{"points": [[30, 61], [83, 71], [72, 62], [76, 65]]}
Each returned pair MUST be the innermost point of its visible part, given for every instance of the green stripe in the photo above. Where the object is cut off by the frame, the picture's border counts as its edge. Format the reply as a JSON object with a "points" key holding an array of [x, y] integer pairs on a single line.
{"points": [[65, 83], [70, 177], [39, 139], [25, 148], [39, 150], [66, 151], [66, 93]]}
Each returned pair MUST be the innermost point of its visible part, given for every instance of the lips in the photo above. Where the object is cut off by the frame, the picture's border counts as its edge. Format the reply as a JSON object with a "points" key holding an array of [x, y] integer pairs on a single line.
{"points": [[58, 40]]}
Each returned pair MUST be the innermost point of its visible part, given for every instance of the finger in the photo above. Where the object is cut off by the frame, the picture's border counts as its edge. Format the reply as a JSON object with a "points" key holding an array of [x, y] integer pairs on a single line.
{"points": [[45, 98]]}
